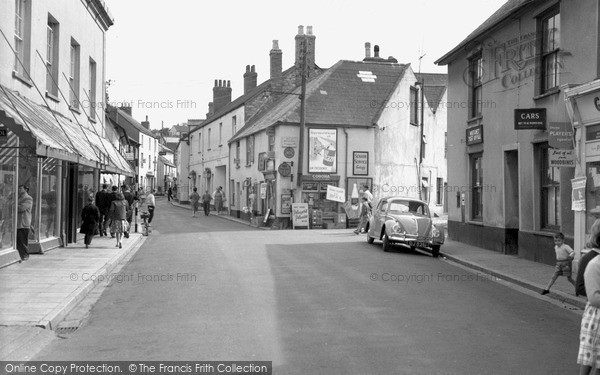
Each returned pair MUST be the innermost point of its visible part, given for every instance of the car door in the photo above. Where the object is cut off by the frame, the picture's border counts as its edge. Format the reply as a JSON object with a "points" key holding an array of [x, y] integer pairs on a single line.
{"points": [[379, 217]]}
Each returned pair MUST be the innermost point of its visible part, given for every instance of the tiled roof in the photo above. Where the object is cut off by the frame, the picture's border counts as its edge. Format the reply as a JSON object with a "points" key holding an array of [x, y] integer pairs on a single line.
{"points": [[435, 86], [350, 93], [505, 11]]}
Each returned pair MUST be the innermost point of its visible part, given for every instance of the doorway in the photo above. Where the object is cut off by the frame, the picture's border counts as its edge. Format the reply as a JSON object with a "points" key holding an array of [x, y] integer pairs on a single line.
{"points": [[511, 202]]}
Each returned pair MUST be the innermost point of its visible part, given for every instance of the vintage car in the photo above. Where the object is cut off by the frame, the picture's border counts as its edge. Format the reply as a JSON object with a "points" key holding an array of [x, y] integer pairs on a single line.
{"points": [[400, 220]]}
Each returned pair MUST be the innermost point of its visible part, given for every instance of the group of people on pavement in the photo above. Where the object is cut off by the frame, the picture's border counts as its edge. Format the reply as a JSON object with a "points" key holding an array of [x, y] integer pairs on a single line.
{"points": [[112, 212], [218, 196], [366, 207]]}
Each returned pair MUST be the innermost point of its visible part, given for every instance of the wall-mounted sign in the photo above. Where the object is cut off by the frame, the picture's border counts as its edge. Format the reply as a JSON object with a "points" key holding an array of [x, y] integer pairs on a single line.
{"points": [[592, 133], [592, 148], [262, 161], [129, 156], [289, 152], [360, 163], [589, 107], [289, 141], [263, 190], [560, 135], [285, 170], [322, 150], [475, 135], [531, 118], [561, 158], [310, 186], [578, 193], [321, 177], [286, 204], [299, 215], [162, 153], [336, 194], [270, 132]]}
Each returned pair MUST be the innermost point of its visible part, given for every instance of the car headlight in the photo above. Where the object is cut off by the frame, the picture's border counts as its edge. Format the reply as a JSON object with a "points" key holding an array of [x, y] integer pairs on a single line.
{"points": [[397, 228], [434, 231]]}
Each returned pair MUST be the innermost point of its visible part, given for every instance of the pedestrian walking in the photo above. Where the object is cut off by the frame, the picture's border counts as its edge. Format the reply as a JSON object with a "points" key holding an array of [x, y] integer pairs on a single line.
{"points": [[593, 248], [24, 205], [169, 194], [564, 261], [195, 199], [150, 203], [589, 344], [130, 198], [112, 196], [366, 193], [90, 217], [206, 198], [218, 197], [118, 217], [365, 211], [103, 206]]}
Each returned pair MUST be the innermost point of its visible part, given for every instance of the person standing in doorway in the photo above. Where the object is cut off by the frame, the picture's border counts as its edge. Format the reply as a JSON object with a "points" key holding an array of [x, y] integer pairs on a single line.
{"points": [[218, 197], [90, 216], [206, 198], [195, 199], [25, 204], [150, 203]]}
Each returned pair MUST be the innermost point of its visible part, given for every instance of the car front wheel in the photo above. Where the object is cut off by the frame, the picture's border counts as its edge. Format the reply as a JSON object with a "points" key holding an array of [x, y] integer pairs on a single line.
{"points": [[435, 251], [386, 243]]}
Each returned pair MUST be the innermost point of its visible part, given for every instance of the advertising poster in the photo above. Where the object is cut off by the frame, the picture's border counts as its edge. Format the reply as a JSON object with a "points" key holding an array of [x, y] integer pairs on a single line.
{"points": [[336, 194], [322, 150], [299, 215], [578, 194], [561, 158]]}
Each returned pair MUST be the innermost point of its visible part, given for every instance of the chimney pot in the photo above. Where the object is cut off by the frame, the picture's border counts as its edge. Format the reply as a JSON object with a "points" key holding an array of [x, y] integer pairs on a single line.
{"points": [[367, 50], [216, 83], [252, 69], [308, 30], [301, 30], [247, 68], [228, 83], [275, 44], [376, 51]]}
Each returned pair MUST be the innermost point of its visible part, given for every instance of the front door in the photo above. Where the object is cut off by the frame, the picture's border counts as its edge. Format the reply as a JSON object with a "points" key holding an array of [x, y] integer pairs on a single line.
{"points": [[511, 202]]}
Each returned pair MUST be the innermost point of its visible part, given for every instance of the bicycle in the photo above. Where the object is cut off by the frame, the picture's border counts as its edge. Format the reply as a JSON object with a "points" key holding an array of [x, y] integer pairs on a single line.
{"points": [[146, 229]]}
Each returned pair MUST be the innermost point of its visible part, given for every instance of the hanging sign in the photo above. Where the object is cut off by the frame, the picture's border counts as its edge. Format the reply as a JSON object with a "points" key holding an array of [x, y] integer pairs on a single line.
{"points": [[578, 193], [336, 194], [561, 158], [560, 135], [531, 118]]}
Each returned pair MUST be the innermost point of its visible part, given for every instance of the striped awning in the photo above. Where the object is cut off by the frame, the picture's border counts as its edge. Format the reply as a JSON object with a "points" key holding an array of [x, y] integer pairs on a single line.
{"points": [[8, 150], [53, 135]]}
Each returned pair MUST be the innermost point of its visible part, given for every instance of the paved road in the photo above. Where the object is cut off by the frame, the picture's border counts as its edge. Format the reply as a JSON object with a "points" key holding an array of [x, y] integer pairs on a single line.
{"points": [[314, 302]]}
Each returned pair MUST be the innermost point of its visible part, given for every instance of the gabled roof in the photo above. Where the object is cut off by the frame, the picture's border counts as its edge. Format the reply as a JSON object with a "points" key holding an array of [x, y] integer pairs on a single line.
{"points": [[350, 93], [435, 86], [124, 120], [507, 10]]}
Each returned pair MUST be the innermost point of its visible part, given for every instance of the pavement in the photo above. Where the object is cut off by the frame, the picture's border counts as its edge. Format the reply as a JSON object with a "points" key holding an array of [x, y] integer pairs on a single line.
{"points": [[38, 294]]}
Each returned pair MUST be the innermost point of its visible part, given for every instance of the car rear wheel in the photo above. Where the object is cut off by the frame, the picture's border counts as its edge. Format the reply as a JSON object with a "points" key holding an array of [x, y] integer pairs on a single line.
{"points": [[435, 251], [386, 243]]}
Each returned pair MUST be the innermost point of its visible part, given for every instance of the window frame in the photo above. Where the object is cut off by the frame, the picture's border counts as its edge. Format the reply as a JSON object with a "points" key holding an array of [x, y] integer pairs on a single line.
{"points": [[414, 106], [475, 85], [74, 75], [52, 57], [92, 89], [546, 55]]}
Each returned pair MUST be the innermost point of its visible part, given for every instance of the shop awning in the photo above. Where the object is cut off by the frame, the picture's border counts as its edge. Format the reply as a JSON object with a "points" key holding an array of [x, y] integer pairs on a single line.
{"points": [[53, 135]]}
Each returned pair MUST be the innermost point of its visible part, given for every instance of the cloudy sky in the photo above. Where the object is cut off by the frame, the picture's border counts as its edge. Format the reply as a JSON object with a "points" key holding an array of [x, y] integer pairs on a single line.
{"points": [[163, 56]]}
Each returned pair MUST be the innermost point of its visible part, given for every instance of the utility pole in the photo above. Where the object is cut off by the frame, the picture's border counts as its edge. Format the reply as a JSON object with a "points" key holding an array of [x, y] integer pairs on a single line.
{"points": [[302, 113], [421, 84]]}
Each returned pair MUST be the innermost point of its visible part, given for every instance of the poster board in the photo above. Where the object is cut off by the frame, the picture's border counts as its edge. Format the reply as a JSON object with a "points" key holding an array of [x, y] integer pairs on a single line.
{"points": [[299, 215]]}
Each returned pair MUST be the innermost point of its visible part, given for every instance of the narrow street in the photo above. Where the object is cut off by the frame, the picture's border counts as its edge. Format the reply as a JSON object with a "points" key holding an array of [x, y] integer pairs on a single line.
{"points": [[315, 302]]}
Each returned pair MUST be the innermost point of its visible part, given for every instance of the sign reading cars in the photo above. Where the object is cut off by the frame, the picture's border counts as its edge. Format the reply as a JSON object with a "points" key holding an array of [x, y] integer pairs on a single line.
{"points": [[532, 118]]}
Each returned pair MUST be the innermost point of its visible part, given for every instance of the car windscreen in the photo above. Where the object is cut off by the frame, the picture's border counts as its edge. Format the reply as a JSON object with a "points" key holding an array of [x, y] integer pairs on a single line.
{"points": [[404, 206]]}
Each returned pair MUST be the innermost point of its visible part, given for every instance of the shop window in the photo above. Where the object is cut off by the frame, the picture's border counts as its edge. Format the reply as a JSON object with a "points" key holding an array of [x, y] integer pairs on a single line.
{"points": [[439, 191], [549, 27], [249, 150], [550, 191], [8, 187], [475, 85], [49, 225], [476, 186], [592, 199], [272, 142]]}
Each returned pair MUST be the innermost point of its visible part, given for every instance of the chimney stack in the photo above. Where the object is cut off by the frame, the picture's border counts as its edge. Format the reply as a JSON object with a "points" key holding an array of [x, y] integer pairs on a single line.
{"points": [[221, 94], [146, 124], [250, 79], [367, 50], [211, 109], [310, 46], [276, 60]]}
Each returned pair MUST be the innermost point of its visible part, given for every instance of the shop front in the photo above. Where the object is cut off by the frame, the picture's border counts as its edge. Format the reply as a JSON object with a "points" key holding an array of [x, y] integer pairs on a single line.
{"points": [[323, 213], [583, 105]]}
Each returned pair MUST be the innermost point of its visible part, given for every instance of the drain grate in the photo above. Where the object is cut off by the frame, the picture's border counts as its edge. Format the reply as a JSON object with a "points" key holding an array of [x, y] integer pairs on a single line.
{"points": [[65, 331]]}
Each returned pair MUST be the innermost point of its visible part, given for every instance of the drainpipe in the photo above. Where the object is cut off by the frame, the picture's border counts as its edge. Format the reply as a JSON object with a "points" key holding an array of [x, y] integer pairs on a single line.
{"points": [[346, 156]]}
